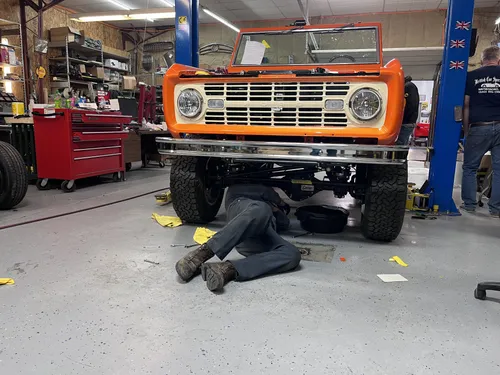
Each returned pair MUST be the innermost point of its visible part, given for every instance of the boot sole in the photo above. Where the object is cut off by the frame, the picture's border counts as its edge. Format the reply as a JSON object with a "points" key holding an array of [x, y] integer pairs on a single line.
{"points": [[185, 270], [203, 270], [215, 281]]}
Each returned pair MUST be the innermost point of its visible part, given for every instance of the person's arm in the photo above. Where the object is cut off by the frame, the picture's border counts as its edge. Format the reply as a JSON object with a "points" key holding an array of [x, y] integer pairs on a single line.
{"points": [[465, 117]]}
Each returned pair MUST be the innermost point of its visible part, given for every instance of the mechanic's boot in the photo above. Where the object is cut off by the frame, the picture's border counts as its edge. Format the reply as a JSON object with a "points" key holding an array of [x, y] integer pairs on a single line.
{"points": [[217, 274], [189, 266]]}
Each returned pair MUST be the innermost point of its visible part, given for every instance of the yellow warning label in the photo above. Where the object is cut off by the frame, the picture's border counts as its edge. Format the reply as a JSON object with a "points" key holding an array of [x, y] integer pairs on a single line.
{"points": [[302, 182], [183, 20], [266, 44]]}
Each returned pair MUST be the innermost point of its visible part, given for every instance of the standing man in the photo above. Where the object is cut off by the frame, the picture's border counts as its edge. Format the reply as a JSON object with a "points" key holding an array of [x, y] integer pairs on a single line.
{"points": [[255, 213], [410, 115], [481, 122]]}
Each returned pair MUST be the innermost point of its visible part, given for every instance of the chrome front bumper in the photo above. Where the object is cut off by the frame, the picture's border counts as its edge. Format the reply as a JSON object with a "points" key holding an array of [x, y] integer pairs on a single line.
{"points": [[297, 153]]}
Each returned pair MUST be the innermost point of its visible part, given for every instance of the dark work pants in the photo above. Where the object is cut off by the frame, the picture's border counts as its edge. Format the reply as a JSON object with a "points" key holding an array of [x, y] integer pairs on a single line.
{"points": [[251, 229]]}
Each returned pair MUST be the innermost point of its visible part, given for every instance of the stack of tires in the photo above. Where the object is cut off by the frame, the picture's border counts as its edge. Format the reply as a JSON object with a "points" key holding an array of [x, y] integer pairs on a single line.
{"points": [[13, 177]]}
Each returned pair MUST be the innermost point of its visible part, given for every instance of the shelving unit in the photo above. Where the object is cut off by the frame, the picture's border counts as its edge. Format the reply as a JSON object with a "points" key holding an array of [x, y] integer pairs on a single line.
{"points": [[95, 57], [12, 31], [108, 55]]}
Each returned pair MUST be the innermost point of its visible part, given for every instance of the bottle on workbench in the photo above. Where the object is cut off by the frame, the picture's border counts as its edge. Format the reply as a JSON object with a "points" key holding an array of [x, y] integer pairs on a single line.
{"points": [[57, 99]]}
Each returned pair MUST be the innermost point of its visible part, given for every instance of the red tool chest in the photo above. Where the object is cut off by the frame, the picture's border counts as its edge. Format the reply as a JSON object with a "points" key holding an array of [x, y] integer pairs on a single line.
{"points": [[72, 144]]}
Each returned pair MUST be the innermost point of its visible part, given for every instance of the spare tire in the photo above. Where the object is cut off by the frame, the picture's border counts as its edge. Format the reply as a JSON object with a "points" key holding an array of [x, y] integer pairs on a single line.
{"points": [[13, 177]]}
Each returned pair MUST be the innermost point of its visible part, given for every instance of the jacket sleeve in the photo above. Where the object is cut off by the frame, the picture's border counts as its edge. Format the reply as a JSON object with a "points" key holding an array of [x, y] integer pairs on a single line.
{"points": [[282, 221], [271, 196]]}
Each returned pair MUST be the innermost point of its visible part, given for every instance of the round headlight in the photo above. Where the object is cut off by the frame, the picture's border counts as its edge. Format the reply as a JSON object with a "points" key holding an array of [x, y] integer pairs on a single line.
{"points": [[366, 104], [189, 103]]}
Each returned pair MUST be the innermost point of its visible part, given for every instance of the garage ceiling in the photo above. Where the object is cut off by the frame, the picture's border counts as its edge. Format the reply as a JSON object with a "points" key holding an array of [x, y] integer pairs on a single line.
{"points": [[250, 10]]}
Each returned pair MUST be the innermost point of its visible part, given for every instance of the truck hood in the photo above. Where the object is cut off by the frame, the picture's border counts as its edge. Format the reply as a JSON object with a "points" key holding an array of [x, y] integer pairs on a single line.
{"points": [[184, 71]]}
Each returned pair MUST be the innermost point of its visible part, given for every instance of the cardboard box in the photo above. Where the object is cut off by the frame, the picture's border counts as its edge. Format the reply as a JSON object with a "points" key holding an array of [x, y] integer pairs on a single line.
{"points": [[59, 34], [129, 82], [96, 71], [81, 68]]}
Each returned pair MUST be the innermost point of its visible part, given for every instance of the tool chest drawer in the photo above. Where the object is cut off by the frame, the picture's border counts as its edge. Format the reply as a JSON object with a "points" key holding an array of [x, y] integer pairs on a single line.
{"points": [[74, 143]]}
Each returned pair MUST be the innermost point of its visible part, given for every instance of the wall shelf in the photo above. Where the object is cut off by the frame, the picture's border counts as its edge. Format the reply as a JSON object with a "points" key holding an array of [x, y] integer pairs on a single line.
{"points": [[116, 69], [5, 65], [77, 61], [84, 52]]}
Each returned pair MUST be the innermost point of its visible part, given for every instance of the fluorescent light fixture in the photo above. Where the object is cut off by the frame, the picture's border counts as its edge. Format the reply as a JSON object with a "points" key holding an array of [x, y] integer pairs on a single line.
{"points": [[146, 16], [102, 18], [126, 15], [118, 4], [169, 3], [221, 20]]}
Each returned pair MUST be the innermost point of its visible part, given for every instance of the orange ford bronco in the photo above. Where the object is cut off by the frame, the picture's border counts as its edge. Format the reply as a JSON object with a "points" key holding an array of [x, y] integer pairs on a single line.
{"points": [[296, 101]]}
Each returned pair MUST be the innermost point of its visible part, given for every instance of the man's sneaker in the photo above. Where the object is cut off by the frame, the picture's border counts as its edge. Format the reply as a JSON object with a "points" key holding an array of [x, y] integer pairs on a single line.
{"points": [[189, 266], [217, 274], [468, 209]]}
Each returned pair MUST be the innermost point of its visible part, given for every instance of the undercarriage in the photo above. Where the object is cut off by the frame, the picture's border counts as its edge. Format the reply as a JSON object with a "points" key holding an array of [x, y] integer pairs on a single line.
{"points": [[376, 175]]}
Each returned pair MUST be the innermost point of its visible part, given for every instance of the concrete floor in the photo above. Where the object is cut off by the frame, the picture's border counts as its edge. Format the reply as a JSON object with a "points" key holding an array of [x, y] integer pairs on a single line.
{"points": [[85, 302]]}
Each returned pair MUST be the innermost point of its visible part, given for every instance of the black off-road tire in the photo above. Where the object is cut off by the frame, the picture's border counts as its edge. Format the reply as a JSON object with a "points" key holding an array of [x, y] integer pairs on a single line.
{"points": [[13, 177], [188, 184], [385, 201]]}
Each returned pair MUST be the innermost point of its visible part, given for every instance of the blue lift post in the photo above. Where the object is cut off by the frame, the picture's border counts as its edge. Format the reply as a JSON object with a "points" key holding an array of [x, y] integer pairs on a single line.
{"points": [[186, 32], [450, 99]]}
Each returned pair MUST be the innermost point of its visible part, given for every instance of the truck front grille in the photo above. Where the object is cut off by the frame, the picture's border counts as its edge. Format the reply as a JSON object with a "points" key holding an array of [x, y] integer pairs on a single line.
{"points": [[276, 104]]}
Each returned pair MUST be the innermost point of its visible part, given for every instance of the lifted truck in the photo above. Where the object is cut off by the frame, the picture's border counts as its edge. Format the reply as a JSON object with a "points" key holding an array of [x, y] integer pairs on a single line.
{"points": [[296, 101]]}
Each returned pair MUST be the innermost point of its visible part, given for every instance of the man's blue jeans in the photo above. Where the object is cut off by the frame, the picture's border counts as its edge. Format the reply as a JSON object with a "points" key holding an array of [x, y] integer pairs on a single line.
{"points": [[479, 141], [404, 134]]}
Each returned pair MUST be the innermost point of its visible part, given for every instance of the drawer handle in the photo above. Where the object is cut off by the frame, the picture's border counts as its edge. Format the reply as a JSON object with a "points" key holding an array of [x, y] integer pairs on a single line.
{"points": [[97, 156], [109, 132], [48, 114], [95, 148], [113, 116]]}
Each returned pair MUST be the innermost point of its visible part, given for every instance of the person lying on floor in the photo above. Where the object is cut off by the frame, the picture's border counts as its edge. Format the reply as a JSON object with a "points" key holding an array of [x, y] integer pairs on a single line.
{"points": [[255, 215]]}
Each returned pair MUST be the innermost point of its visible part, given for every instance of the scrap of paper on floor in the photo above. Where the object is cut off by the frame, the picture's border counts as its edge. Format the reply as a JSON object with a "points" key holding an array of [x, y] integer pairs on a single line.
{"points": [[391, 278]]}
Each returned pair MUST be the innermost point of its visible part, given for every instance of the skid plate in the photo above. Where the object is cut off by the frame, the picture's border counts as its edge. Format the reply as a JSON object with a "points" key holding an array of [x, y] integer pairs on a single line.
{"points": [[297, 153]]}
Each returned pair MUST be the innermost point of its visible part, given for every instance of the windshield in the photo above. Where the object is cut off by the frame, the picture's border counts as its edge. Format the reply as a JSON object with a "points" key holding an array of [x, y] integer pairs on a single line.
{"points": [[314, 46]]}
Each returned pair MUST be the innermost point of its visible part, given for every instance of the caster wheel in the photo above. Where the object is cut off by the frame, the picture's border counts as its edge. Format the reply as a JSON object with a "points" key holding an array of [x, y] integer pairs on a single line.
{"points": [[480, 204], [68, 186], [161, 164], [480, 294], [117, 176], [43, 184], [128, 167]]}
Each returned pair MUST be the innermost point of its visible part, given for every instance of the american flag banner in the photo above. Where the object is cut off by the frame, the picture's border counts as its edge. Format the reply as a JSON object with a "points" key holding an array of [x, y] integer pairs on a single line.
{"points": [[456, 65], [457, 43], [462, 25]]}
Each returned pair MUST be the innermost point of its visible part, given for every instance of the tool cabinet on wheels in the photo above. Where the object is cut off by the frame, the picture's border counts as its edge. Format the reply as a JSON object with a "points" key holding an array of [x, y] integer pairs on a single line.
{"points": [[72, 144]]}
